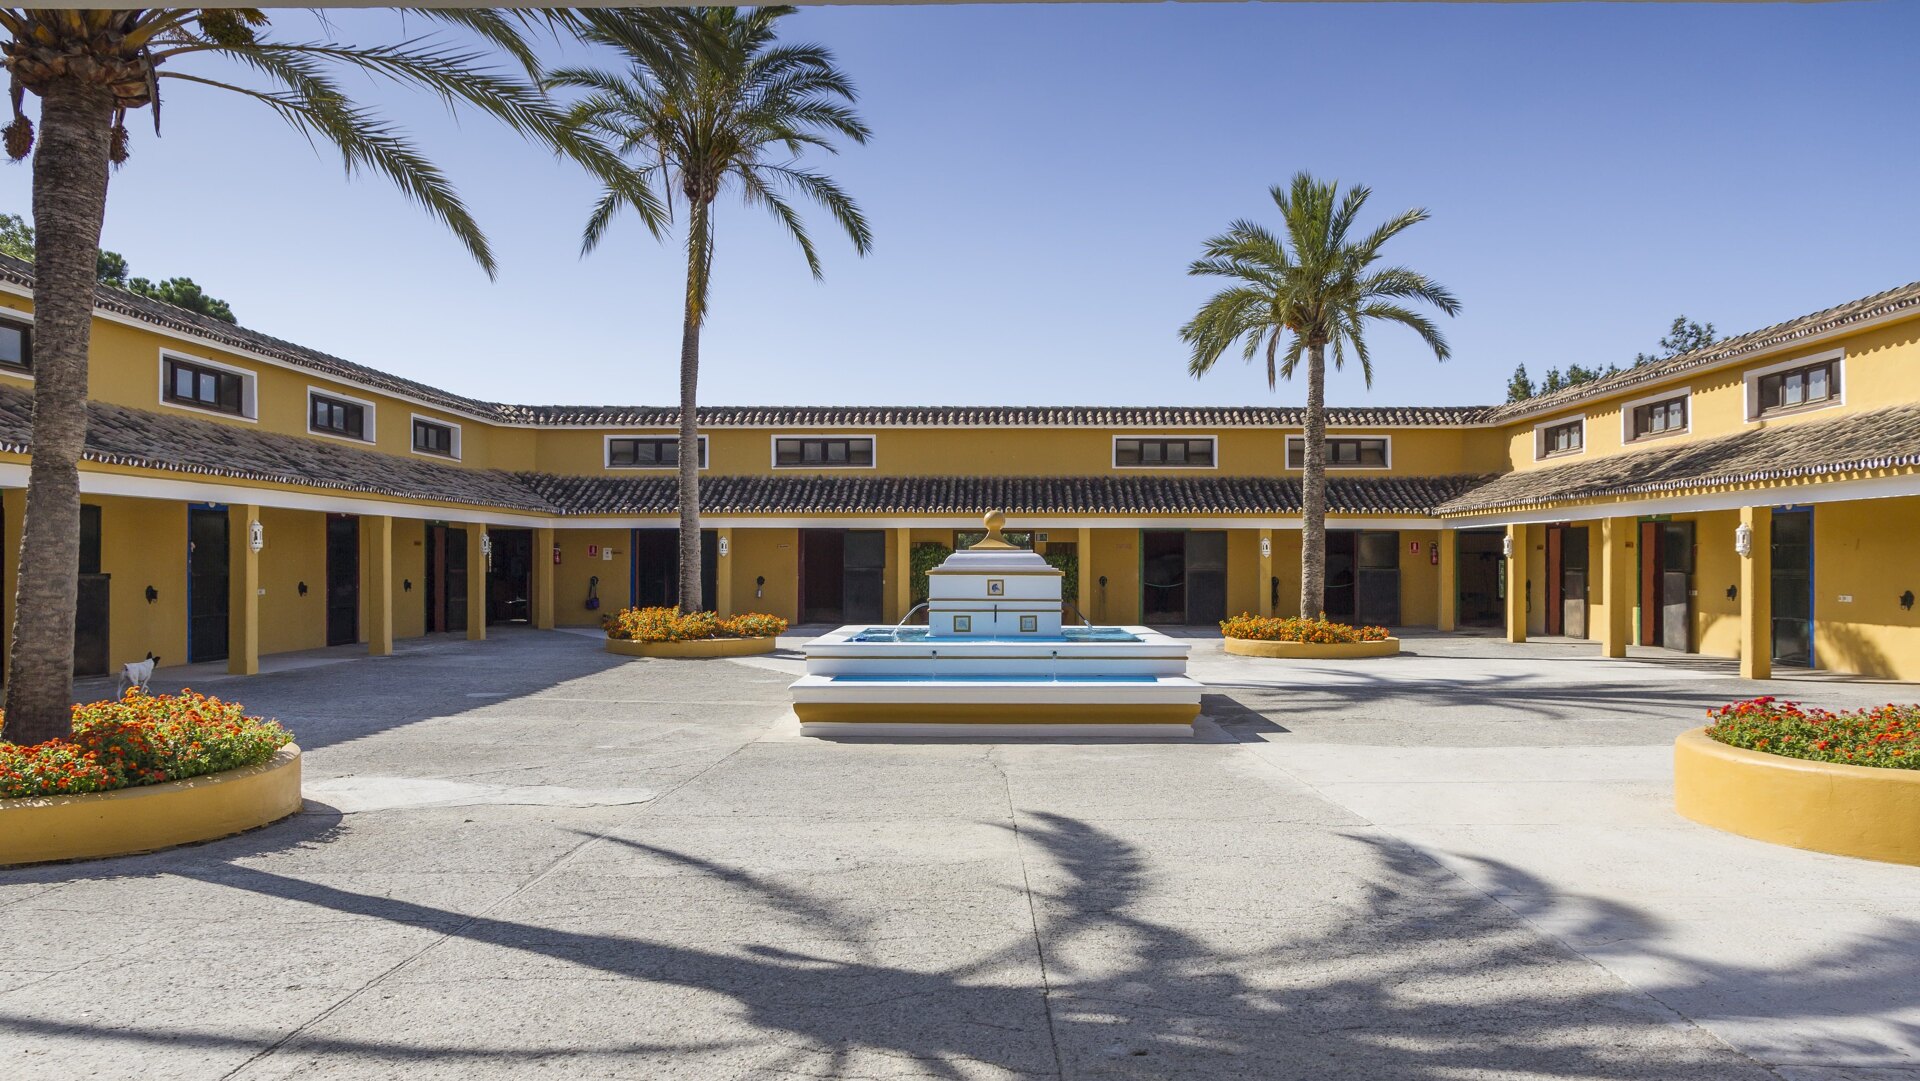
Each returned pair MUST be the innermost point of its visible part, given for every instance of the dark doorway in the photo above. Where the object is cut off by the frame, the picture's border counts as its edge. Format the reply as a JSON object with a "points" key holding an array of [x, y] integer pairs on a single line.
{"points": [[842, 575], [1480, 570], [343, 579], [446, 578], [208, 583], [1163, 576], [1666, 580], [1567, 556], [93, 613], [1183, 576], [1376, 578], [1339, 601], [1206, 577], [1793, 588], [656, 568], [510, 576]]}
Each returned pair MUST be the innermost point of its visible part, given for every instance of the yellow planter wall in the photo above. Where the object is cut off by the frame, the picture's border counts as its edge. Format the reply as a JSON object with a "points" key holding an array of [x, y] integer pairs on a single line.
{"points": [[1845, 810]]}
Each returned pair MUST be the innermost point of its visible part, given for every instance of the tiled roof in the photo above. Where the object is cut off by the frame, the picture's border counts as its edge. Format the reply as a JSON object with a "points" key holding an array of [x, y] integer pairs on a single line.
{"points": [[1905, 299], [1144, 418], [1884, 439], [117, 435], [803, 495]]}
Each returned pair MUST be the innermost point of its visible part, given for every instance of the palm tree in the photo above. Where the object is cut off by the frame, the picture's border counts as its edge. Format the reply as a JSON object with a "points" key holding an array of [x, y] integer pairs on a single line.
{"points": [[731, 107], [89, 68], [1314, 288]]}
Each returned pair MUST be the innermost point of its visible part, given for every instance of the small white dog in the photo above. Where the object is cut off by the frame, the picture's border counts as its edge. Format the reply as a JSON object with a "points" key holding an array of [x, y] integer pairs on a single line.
{"points": [[135, 674]]}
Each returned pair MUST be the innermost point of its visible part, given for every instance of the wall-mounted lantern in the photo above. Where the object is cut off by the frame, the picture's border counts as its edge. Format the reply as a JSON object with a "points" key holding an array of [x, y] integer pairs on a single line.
{"points": [[759, 585], [723, 547], [1743, 540], [303, 589], [1266, 547], [256, 536], [1506, 546], [486, 545], [406, 585], [1906, 600], [152, 594]]}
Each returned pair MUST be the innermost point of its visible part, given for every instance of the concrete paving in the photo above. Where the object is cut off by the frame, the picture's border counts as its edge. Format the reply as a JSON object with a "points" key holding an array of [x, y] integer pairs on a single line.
{"points": [[524, 856]]}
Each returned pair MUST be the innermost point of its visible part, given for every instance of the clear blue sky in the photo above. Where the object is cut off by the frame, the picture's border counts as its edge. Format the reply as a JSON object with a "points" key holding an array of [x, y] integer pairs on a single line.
{"points": [[1041, 175]]}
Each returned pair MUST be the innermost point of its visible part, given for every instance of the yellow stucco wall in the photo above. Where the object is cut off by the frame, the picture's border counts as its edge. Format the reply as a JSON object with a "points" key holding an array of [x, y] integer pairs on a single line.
{"points": [[1716, 567], [296, 552], [142, 542], [1864, 551], [1419, 578], [572, 577], [775, 555], [1116, 554]]}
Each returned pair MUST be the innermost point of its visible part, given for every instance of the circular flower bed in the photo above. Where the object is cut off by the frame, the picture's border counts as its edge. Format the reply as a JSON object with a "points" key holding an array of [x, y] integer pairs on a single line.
{"points": [[1845, 783], [1312, 639], [143, 773], [669, 632], [140, 740], [1322, 632], [1887, 736]]}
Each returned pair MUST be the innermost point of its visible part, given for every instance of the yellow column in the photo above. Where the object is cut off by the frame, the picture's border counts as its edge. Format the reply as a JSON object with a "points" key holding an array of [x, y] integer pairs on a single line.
{"points": [[1266, 572], [1517, 583], [723, 574], [243, 591], [900, 566], [543, 542], [1449, 618], [376, 540], [1756, 595], [1619, 577], [1083, 596], [476, 583]]}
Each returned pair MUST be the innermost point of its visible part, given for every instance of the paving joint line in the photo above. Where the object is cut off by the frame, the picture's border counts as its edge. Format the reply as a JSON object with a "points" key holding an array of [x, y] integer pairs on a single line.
{"points": [[1033, 914]]}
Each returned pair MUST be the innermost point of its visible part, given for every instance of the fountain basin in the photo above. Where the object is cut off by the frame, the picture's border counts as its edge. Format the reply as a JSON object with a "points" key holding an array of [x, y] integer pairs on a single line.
{"points": [[1086, 681]]}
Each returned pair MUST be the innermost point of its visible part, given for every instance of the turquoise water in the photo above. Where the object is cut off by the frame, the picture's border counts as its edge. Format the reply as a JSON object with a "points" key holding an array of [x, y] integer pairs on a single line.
{"points": [[920, 635]]}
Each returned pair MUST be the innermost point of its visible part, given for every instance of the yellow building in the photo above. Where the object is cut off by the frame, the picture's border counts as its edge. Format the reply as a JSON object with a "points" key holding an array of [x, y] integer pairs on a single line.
{"points": [[246, 496]]}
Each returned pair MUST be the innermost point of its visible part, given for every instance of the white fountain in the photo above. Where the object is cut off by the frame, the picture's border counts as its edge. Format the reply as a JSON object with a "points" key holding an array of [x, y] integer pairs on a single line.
{"points": [[994, 658]]}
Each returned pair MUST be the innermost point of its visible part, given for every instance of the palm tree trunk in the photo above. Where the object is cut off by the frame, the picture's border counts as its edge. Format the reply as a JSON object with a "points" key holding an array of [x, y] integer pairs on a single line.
{"points": [[699, 265], [69, 204], [1313, 490]]}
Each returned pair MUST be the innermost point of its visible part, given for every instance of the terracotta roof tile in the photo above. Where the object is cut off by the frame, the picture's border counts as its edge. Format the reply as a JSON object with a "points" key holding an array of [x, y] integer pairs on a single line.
{"points": [[1883, 439]]}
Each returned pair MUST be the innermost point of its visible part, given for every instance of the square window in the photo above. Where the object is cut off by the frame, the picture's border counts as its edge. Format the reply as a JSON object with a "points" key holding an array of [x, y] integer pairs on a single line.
{"points": [[1029, 624], [962, 624]]}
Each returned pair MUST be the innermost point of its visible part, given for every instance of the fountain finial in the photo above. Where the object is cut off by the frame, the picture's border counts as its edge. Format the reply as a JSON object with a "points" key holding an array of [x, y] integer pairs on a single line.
{"points": [[996, 521]]}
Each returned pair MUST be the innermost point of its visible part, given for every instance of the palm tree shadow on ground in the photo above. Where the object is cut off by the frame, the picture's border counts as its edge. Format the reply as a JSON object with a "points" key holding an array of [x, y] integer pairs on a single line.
{"points": [[1408, 974]]}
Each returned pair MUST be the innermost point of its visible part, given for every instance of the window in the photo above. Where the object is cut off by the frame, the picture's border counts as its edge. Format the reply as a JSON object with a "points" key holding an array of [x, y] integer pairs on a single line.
{"points": [[16, 343], [336, 416], [823, 452], [202, 386], [1566, 437], [1343, 452], [648, 452], [1157, 452], [433, 437], [1809, 384], [1659, 418]]}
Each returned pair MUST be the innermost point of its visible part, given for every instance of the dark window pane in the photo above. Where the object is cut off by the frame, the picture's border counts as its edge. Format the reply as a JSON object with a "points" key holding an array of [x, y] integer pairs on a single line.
{"points": [[1126, 452], [15, 344]]}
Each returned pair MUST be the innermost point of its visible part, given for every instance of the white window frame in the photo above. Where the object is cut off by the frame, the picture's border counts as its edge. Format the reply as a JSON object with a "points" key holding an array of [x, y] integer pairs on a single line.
{"points": [[453, 442], [249, 387], [367, 419], [606, 451], [1286, 453], [1750, 389], [1113, 450], [1540, 453], [19, 316], [773, 449], [1627, 438]]}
